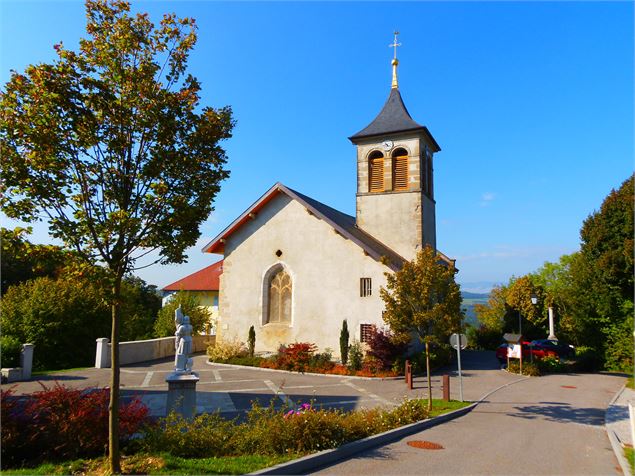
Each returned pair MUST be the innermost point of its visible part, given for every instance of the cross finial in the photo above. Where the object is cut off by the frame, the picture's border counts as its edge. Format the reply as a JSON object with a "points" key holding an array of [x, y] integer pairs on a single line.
{"points": [[395, 61], [395, 44]]}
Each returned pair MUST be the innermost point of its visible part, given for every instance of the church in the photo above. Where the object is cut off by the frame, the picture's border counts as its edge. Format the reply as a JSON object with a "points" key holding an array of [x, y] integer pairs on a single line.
{"points": [[295, 268]]}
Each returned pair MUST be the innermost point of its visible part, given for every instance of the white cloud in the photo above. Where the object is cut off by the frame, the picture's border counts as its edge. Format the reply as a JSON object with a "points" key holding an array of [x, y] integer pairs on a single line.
{"points": [[487, 198]]}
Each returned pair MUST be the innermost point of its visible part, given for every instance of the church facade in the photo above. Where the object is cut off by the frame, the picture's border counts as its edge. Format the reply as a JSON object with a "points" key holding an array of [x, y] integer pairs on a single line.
{"points": [[295, 268]]}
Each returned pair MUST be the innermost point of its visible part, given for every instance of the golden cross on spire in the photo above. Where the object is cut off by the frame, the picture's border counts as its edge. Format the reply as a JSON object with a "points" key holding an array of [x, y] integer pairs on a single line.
{"points": [[395, 61], [395, 44]]}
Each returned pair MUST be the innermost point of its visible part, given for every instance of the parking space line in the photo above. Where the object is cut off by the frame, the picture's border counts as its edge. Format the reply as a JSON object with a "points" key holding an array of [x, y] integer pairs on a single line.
{"points": [[146, 380], [279, 393], [371, 395], [217, 375]]}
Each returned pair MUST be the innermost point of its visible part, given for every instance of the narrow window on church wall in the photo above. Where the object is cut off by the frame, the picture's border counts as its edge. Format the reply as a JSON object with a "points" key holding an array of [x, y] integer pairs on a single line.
{"points": [[400, 170], [376, 173], [279, 298], [365, 287]]}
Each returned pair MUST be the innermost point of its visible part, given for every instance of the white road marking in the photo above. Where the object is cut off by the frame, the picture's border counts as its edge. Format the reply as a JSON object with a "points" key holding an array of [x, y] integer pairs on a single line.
{"points": [[146, 380], [217, 375], [371, 395], [279, 393]]}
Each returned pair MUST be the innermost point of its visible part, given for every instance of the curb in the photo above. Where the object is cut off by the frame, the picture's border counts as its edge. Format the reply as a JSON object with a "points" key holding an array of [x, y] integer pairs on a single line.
{"points": [[327, 457], [614, 439], [246, 367]]}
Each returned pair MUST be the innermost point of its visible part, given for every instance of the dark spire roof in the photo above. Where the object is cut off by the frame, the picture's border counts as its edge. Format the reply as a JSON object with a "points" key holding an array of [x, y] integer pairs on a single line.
{"points": [[394, 117]]}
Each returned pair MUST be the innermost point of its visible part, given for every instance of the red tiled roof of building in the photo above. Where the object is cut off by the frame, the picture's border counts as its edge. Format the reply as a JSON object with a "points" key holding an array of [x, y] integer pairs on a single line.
{"points": [[206, 279]]}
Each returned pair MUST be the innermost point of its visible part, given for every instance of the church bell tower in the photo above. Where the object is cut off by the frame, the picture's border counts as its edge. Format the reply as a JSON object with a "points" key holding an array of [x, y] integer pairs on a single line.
{"points": [[395, 176]]}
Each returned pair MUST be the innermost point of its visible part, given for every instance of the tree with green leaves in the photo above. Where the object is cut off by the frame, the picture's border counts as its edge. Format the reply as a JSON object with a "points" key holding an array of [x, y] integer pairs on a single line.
{"points": [[190, 305], [603, 276], [111, 146], [23, 260], [423, 299]]}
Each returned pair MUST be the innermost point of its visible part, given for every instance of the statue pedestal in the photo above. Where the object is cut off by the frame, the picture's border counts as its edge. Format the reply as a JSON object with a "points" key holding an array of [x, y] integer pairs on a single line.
{"points": [[182, 393]]}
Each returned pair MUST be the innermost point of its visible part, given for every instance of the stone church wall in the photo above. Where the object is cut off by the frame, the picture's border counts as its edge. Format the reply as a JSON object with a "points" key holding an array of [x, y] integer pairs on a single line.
{"points": [[325, 269]]}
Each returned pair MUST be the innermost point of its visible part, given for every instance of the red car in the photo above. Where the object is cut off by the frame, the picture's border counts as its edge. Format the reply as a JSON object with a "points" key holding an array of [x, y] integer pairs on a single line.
{"points": [[537, 352]]}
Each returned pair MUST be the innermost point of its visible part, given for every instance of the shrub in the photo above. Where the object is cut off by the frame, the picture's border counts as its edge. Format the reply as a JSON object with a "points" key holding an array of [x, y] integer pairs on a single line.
{"points": [[226, 349], [383, 348], [61, 317], [296, 356], [550, 364], [355, 356], [586, 359], [60, 423], [191, 306], [323, 361], [529, 368], [10, 349], [344, 335], [484, 338], [269, 431]]}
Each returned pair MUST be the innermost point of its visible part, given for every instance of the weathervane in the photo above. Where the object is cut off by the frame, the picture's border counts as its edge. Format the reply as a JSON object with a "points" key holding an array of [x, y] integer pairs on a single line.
{"points": [[395, 61]]}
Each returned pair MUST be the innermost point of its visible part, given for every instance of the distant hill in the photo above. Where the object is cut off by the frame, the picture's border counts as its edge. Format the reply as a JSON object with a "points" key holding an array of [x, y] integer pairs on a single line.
{"points": [[469, 300], [479, 296]]}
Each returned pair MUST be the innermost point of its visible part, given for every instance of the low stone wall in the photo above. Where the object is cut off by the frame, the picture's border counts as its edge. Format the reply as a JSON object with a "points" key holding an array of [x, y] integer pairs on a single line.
{"points": [[143, 350]]}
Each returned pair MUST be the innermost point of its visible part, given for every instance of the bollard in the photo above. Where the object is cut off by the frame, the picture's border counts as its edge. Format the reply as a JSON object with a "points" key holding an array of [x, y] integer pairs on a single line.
{"points": [[446, 387], [409, 374]]}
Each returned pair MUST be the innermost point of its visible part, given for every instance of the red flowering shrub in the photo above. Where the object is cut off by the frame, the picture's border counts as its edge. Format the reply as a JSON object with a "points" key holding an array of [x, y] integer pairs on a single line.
{"points": [[62, 423], [383, 349], [295, 356]]}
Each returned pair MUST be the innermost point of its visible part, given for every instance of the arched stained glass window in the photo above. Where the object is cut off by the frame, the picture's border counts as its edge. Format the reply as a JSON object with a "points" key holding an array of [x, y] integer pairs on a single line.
{"points": [[279, 298]]}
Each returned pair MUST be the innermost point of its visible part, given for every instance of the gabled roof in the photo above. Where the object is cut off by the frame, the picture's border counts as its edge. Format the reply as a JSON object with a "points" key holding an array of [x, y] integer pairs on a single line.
{"points": [[393, 118], [206, 279], [342, 223]]}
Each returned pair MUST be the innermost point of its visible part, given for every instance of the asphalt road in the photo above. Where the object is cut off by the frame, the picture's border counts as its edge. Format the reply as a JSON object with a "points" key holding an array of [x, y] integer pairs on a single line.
{"points": [[549, 425]]}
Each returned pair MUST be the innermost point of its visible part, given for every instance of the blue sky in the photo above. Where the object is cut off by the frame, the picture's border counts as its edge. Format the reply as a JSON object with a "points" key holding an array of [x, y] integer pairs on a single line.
{"points": [[531, 103]]}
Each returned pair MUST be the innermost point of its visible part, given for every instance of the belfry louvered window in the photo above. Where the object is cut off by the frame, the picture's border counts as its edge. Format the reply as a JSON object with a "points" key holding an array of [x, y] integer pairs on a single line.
{"points": [[400, 170], [376, 172]]}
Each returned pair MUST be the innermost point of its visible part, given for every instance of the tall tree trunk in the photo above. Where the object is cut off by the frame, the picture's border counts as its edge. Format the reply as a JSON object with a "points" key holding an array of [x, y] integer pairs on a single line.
{"points": [[113, 407], [429, 378]]}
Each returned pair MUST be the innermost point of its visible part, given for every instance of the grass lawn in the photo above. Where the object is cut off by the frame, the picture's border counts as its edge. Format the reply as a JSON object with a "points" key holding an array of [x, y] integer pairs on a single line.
{"points": [[629, 383], [629, 452], [46, 372], [439, 407], [159, 464]]}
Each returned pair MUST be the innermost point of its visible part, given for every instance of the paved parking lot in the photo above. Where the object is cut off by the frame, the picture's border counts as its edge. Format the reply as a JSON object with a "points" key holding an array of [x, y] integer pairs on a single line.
{"points": [[232, 390]]}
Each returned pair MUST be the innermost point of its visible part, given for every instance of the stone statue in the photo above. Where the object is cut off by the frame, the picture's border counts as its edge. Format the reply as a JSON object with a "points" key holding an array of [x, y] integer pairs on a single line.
{"points": [[182, 342]]}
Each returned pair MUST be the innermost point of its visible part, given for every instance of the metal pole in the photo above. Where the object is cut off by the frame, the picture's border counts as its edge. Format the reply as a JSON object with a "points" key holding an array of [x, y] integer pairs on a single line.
{"points": [[458, 356]]}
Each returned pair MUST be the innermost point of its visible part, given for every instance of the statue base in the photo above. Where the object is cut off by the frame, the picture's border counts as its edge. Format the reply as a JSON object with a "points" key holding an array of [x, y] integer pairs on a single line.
{"points": [[182, 393]]}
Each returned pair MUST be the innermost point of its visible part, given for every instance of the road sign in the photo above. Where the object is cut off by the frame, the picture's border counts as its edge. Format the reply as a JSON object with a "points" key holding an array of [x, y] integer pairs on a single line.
{"points": [[456, 338]]}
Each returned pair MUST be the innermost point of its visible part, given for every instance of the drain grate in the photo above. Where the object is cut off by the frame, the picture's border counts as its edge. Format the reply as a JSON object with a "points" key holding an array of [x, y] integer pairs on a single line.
{"points": [[425, 445]]}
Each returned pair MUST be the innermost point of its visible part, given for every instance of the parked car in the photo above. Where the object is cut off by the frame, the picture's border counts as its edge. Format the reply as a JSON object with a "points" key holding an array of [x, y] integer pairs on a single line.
{"points": [[530, 350], [564, 350]]}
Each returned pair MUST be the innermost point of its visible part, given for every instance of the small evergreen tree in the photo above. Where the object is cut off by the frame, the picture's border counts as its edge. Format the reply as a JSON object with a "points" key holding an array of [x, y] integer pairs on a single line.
{"points": [[251, 341], [344, 342]]}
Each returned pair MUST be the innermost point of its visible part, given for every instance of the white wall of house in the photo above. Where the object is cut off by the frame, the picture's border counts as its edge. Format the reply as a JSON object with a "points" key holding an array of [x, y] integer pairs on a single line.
{"points": [[325, 268]]}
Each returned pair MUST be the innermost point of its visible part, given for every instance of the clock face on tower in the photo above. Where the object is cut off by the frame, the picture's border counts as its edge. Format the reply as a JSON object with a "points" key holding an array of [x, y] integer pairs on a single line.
{"points": [[387, 144]]}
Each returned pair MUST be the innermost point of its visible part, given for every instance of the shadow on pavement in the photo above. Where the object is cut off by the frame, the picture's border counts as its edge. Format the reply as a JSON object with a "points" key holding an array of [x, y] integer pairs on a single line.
{"points": [[560, 413]]}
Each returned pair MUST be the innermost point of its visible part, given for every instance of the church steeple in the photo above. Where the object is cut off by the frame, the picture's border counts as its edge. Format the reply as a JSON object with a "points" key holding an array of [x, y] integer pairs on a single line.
{"points": [[395, 192]]}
